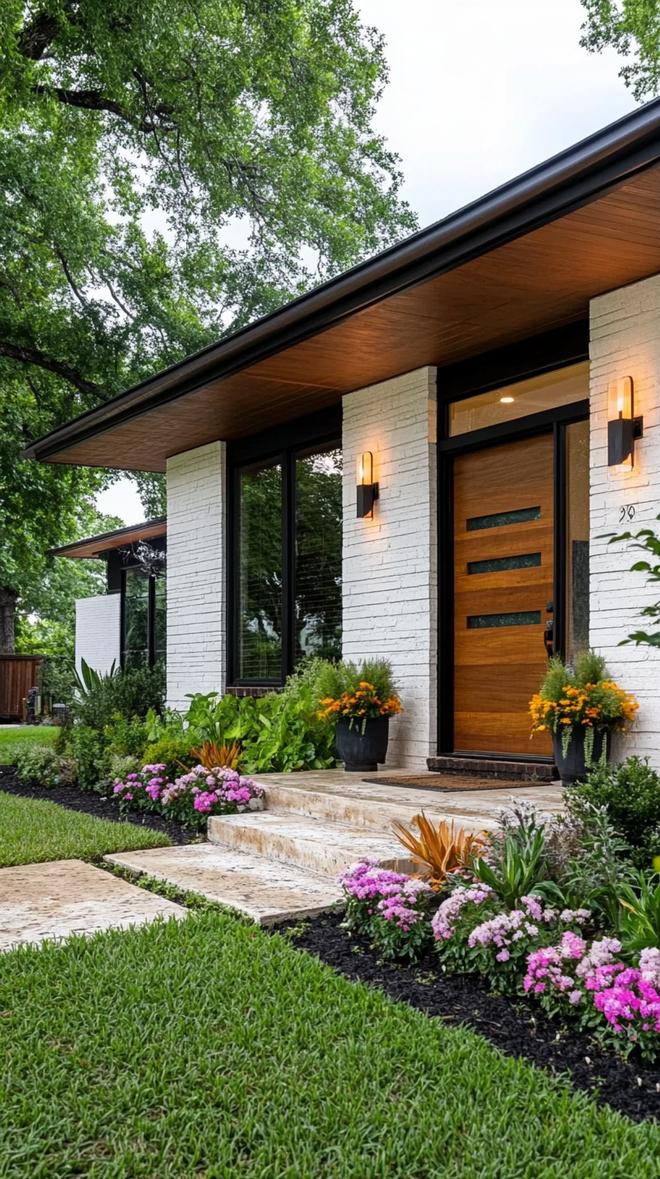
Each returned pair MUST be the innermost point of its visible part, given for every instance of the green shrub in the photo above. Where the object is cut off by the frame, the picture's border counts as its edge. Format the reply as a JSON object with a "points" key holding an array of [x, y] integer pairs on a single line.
{"points": [[171, 750], [86, 744], [630, 792], [101, 698], [639, 926], [40, 765], [125, 737], [119, 766]]}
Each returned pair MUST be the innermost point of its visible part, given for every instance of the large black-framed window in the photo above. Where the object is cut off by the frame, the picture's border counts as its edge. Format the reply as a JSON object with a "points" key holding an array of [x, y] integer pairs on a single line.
{"points": [[143, 618], [285, 583]]}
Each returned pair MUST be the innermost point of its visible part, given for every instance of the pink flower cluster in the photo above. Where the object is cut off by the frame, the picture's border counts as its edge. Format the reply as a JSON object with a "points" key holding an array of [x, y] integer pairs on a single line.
{"points": [[630, 1003], [449, 912], [393, 895], [627, 997], [211, 789], [505, 929], [145, 787]]}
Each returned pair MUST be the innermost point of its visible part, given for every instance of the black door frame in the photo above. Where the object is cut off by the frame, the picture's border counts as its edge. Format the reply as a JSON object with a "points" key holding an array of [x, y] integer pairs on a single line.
{"points": [[552, 421]]}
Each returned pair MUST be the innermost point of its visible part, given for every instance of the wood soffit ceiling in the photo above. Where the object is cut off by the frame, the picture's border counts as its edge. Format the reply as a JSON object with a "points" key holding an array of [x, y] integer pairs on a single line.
{"points": [[529, 285]]}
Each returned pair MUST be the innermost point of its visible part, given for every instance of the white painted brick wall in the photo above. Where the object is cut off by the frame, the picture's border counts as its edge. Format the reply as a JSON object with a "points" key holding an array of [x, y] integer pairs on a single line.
{"points": [[196, 530], [390, 562], [625, 341], [98, 626]]}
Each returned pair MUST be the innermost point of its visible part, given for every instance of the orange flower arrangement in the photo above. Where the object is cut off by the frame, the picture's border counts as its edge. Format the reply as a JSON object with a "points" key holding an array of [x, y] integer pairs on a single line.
{"points": [[361, 704], [600, 705], [581, 698]]}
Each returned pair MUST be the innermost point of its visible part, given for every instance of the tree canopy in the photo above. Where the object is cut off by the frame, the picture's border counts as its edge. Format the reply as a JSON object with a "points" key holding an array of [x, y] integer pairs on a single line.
{"points": [[169, 170], [632, 28]]}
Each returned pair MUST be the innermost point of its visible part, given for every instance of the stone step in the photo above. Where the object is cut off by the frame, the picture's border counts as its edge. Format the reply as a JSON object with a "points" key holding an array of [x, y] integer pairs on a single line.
{"points": [[370, 814], [266, 890], [315, 844]]}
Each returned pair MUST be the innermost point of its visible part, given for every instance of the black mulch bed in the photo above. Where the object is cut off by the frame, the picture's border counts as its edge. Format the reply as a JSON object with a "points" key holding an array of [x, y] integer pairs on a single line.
{"points": [[516, 1027], [103, 807]]}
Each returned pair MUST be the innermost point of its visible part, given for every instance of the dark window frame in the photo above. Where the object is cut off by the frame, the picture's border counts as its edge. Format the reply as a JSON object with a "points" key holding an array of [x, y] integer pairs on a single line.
{"points": [[151, 613], [284, 446]]}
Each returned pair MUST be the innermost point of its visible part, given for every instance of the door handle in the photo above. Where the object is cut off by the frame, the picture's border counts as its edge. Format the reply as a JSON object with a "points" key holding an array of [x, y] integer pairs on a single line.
{"points": [[549, 631]]}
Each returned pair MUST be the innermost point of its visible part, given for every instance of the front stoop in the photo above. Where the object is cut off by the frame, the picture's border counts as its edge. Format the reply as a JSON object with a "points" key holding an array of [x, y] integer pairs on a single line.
{"points": [[282, 862]]}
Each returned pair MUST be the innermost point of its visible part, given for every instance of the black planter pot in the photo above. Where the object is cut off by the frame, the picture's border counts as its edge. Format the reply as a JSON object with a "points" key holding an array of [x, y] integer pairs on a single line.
{"points": [[362, 751], [573, 768]]}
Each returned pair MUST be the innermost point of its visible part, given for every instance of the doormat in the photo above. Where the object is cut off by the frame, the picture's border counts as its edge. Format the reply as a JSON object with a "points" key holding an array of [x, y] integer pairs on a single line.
{"points": [[450, 783]]}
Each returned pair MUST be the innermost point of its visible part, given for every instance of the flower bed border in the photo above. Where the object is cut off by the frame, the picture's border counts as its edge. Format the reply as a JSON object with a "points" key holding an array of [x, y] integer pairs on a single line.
{"points": [[516, 1026], [99, 805]]}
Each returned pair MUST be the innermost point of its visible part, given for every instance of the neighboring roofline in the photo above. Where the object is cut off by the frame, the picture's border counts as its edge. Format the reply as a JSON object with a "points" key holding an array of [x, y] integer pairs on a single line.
{"points": [[129, 534], [567, 180]]}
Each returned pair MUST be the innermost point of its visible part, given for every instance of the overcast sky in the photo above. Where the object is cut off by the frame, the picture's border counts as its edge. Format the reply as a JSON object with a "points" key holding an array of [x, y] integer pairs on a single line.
{"points": [[479, 91]]}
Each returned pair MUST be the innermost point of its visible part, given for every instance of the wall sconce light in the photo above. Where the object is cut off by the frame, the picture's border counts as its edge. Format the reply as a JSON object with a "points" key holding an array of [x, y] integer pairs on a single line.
{"points": [[623, 428], [367, 490]]}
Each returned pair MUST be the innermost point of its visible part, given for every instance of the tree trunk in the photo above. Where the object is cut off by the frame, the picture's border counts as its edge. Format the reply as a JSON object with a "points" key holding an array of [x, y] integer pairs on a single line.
{"points": [[7, 620]]}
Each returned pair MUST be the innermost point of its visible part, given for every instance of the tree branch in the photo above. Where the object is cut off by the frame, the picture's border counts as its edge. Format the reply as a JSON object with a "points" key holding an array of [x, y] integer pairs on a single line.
{"points": [[95, 100], [28, 355]]}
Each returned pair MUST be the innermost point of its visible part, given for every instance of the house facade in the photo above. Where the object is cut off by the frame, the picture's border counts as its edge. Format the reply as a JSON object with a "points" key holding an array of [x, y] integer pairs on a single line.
{"points": [[127, 625], [422, 460]]}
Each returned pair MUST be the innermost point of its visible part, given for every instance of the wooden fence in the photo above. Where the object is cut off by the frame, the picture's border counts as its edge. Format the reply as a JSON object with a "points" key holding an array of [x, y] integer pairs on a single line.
{"points": [[18, 673]]}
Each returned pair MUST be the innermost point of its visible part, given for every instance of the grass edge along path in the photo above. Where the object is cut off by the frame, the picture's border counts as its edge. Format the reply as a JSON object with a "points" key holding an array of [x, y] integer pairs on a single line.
{"points": [[33, 831], [209, 1047]]}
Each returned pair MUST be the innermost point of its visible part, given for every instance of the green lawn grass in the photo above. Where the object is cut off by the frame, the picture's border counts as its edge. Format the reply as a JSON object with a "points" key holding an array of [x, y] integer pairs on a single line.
{"points": [[32, 831], [18, 736], [206, 1047]]}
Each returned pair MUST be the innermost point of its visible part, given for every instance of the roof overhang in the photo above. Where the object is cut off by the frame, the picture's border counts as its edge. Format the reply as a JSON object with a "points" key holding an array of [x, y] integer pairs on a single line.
{"points": [[523, 260], [105, 542]]}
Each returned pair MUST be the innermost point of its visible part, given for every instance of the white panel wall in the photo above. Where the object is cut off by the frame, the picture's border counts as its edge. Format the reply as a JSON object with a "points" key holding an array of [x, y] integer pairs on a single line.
{"points": [[98, 637], [196, 661], [625, 341], [390, 562]]}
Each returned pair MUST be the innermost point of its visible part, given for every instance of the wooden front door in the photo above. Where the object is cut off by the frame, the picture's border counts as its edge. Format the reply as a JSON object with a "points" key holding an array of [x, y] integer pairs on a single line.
{"points": [[503, 582]]}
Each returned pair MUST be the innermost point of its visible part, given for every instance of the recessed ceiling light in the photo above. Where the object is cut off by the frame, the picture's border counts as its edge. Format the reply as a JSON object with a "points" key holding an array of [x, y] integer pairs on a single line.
{"points": [[507, 400]]}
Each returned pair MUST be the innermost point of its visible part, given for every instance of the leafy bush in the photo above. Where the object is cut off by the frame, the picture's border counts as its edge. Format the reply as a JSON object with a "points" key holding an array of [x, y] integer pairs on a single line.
{"points": [[173, 750], [388, 907], [125, 736], [589, 861], [40, 765], [630, 793], [86, 744], [280, 731], [639, 927], [515, 859], [101, 698]]}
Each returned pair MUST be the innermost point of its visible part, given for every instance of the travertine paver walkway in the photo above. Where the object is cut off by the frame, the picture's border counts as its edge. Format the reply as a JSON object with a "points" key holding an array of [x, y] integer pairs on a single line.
{"points": [[55, 900]]}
